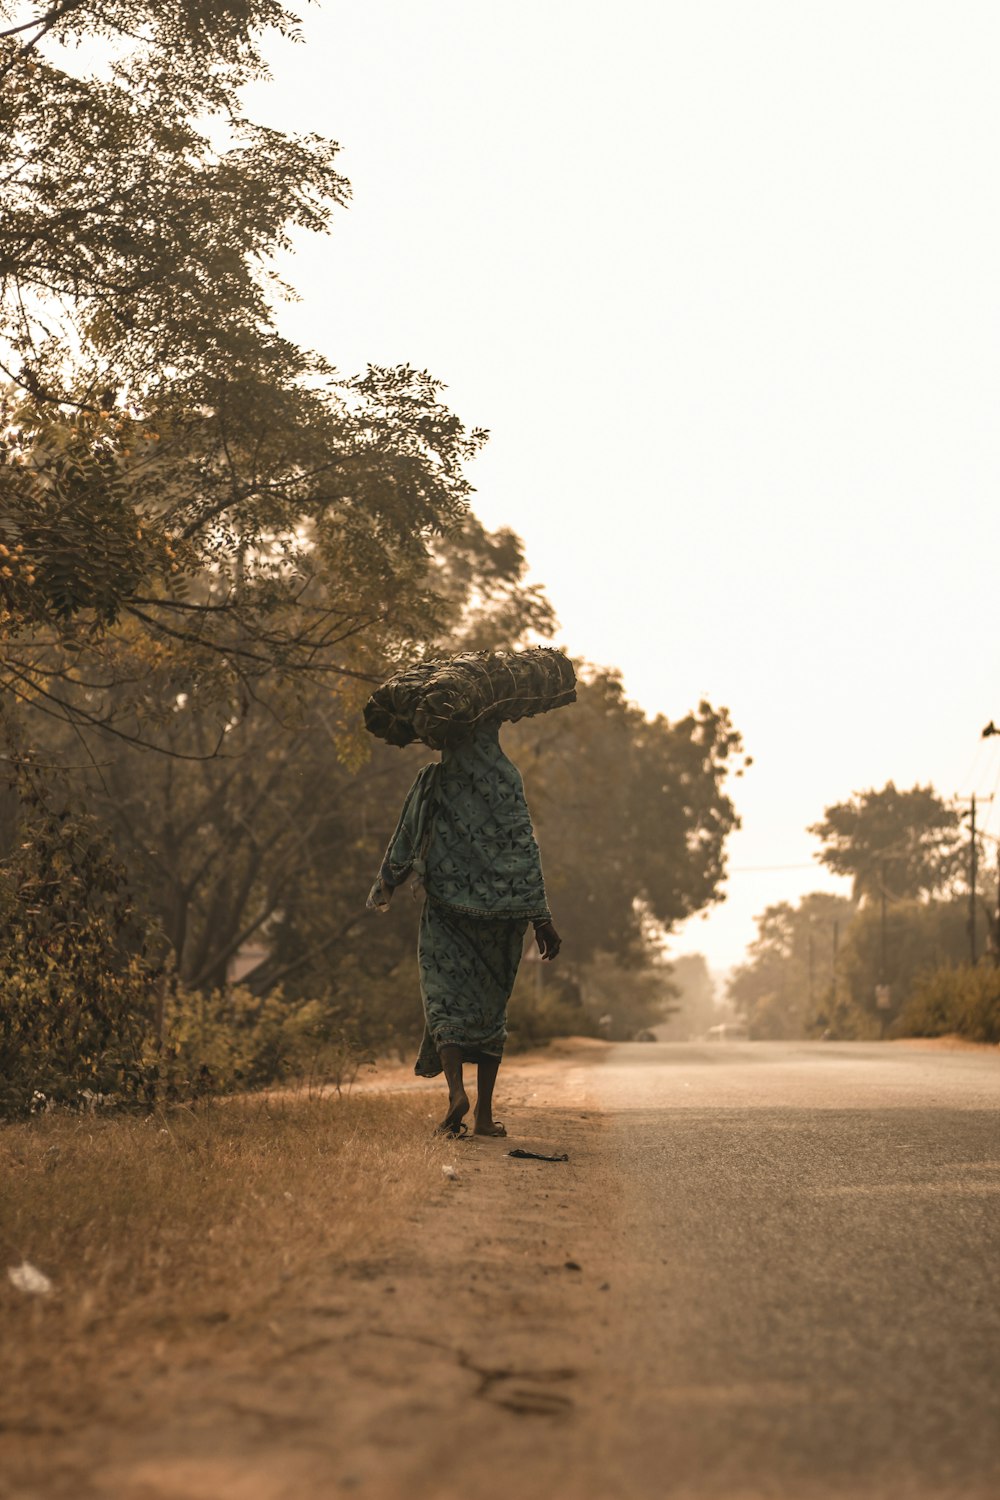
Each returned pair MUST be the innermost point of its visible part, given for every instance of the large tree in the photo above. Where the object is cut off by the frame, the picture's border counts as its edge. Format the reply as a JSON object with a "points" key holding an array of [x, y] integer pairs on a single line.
{"points": [[901, 844], [632, 814], [211, 541], [277, 837]]}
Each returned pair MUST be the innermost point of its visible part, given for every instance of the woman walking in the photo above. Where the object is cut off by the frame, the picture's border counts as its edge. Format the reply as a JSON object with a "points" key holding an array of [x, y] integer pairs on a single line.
{"points": [[465, 833]]}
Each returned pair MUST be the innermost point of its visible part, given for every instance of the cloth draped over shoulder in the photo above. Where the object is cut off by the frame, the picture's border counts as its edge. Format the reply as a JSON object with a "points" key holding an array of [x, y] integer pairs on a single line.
{"points": [[465, 833]]}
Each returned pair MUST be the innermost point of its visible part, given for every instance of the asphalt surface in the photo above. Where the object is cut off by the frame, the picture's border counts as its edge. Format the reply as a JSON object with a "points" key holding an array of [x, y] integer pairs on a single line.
{"points": [[811, 1233]]}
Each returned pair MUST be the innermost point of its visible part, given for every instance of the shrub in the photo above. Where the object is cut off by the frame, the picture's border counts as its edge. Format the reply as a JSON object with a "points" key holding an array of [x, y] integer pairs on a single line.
{"points": [[546, 1008], [76, 980], [232, 1039], [965, 1000], [920, 938], [79, 991]]}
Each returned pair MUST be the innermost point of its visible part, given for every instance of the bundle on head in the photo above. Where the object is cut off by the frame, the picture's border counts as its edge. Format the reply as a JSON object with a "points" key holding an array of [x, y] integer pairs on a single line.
{"points": [[443, 702]]}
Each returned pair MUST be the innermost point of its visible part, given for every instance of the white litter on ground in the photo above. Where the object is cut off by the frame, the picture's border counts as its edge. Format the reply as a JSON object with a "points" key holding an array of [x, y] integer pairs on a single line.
{"points": [[28, 1278], [450, 1173]]}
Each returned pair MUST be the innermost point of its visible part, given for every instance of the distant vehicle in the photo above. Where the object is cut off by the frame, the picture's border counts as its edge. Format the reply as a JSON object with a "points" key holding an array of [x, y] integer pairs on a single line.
{"points": [[728, 1031], [644, 1036]]}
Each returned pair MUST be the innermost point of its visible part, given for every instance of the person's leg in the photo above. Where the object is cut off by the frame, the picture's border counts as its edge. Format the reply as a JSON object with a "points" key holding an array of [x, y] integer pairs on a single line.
{"points": [[458, 1099], [485, 1123]]}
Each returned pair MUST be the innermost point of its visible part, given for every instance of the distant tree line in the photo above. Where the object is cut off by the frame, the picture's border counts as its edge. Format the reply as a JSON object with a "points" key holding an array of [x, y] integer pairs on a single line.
{"points": [[895, 957]]}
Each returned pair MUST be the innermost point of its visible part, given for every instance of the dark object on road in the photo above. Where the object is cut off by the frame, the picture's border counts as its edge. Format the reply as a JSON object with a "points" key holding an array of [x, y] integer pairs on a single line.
{"points": [[443, 702], [536, 1156]]}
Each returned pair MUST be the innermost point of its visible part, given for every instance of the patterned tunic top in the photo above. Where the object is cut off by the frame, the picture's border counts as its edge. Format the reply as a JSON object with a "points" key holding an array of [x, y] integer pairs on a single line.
{"points": [[465, 832]]}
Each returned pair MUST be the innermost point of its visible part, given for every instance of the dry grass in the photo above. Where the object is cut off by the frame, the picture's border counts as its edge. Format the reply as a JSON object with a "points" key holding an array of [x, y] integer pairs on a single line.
{"points": [[158, 1232]]}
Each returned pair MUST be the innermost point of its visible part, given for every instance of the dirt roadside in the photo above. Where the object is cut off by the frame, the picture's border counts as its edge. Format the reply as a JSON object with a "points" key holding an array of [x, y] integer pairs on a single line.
{"points": [[499, 1342], [476, 1339]]}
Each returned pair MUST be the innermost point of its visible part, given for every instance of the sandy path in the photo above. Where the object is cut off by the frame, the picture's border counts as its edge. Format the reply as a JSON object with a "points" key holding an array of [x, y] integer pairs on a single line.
{"points": [[383, 1377]]}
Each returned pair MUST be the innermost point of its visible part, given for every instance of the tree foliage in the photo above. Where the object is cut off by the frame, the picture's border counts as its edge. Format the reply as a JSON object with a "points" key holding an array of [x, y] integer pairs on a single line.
{"points": [[816, 968], [955, 999], [632, 813], [913, 939], [615, 1002], [788, 980], [188, 502], [76, 976], [211, 542], [905, 852], [903, 843]]}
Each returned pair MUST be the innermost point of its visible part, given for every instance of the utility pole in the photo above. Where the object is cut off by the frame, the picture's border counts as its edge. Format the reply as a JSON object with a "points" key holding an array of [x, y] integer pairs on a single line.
{"points": [[836, 948], [881, 943], [809, 985], [973, 872]]}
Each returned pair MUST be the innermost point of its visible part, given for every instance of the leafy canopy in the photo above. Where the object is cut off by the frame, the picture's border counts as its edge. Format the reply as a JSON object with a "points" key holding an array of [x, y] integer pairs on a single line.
{"points": [[632, 814], [189, 503], [903, 843]]}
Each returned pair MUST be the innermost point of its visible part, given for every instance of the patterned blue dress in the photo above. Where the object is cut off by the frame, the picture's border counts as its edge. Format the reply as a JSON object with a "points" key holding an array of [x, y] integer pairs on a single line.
{"points": [[465, 832]]}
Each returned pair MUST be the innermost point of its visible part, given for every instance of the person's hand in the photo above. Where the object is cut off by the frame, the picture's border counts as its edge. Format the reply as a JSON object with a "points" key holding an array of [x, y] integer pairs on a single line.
{"points": [[548, 940]]}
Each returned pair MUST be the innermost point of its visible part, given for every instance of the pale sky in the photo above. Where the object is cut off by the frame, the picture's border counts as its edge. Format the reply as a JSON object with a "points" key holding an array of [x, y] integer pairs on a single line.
{"points": [[722, 281]]}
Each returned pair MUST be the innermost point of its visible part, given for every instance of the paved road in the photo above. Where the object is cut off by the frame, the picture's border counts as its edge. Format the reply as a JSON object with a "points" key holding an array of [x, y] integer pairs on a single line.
{"points": [[812, 1234], [766, 1272]]}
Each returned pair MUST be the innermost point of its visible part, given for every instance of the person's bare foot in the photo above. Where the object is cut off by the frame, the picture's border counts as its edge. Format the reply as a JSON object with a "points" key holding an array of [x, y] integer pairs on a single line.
{"points": [[458, 1108], [488, 1127], [458, 1099]]}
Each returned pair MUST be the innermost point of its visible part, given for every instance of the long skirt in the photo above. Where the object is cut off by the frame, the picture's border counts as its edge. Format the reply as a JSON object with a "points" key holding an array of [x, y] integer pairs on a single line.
{"points": [[467, 970]]}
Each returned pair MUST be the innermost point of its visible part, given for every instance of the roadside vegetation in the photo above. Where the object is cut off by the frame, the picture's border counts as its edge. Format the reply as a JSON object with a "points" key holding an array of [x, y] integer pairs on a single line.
{"points": [[213, 543], [962, 1001], [894, 958], [161, 1232]]}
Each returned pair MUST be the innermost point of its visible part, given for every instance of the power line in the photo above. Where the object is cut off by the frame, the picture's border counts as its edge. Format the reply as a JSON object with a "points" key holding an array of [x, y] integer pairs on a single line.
{"points": [[972, 774], [994, 804]]}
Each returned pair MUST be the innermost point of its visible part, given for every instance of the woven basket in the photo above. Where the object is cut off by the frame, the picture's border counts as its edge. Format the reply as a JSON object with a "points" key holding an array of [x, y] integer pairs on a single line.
{"points": [[443, 702]]}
